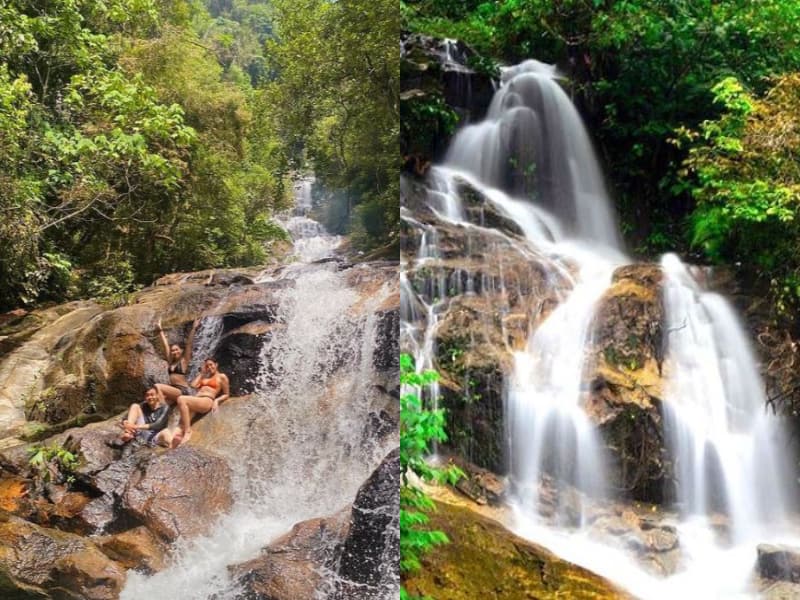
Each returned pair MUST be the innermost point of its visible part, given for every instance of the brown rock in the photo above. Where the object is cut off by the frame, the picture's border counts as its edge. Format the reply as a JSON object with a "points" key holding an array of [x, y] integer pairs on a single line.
{"points": [[781, 590], [290, 568], [779, 562], [35, 560], [625, 382], [136, 548], [179, 493]]}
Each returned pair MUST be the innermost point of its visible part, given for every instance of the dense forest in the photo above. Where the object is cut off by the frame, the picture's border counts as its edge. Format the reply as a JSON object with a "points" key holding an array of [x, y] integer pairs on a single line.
{"points": [[694, 107], [141, 137]]}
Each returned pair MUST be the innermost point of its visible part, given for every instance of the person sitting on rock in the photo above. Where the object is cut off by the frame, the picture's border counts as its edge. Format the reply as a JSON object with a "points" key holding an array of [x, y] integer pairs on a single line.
{"points": [[147, 421], [213, 389], [178, 367]]}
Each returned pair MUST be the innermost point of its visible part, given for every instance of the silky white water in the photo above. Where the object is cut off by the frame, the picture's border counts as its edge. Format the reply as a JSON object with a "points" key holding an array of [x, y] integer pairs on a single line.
{"points": [[532, 160], [300, 450]]}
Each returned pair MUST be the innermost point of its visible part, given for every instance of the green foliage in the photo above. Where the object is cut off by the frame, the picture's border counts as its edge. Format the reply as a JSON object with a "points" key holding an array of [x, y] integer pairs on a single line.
{"points": [[336, 99], [743, 173], [418, 428], [640, 70], [130, 147], [424, 119], [52, 463]]}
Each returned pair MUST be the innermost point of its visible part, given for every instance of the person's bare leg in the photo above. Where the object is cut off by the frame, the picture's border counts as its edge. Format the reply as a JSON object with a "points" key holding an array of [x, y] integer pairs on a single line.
{"points": [[135, 413], [134, 416], [189, 405], [171, 393], [164, 438]]}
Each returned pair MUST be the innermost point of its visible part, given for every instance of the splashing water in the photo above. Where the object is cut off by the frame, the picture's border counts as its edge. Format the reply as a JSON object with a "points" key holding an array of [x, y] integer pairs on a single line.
{"points": [[206, 340], [301, 449], [532, 161]]}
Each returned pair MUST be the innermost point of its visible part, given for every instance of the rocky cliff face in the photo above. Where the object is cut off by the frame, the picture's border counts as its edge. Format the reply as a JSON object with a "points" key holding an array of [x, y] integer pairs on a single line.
{"points": [[493, 290], [74, 523]]}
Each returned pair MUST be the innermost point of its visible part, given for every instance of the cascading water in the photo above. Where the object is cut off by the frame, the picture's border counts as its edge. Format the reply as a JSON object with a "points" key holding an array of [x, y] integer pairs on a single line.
{"points": [[301, 449], [205, 342], [730, 449], [532, 163]]}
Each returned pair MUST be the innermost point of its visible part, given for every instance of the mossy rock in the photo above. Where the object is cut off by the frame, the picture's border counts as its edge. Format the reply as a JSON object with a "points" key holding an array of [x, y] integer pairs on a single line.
{"points": [[484, 560]]}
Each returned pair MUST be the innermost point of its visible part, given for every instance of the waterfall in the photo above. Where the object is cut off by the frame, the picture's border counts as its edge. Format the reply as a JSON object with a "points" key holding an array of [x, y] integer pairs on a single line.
{"points": [[531, 166], [730, 448], [300, 450]]}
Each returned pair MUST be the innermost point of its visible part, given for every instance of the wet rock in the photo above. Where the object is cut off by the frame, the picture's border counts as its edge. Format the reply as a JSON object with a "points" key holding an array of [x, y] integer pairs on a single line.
{"points": [[482, 556], [179, 493], [779, 562], [430, 63], [85, 359], [370, 558], [136, 548], [625, 381], [239, 354], [781, 590], [654, 543], [294, 565], [35, 561], [437, 72], [481, 485]]}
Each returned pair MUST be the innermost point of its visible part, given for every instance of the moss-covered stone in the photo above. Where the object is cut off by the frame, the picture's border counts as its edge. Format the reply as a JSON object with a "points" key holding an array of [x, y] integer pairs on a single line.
{"points": [[484, 560]]}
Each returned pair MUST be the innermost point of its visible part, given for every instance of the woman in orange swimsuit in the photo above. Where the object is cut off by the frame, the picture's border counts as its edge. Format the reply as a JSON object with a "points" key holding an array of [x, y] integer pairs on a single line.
{"points": [[212, 390]]}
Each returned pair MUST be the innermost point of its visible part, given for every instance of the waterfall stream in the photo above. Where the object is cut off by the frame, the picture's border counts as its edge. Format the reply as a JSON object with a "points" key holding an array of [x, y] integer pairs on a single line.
{"points": [[298, 449], [532, 164]]}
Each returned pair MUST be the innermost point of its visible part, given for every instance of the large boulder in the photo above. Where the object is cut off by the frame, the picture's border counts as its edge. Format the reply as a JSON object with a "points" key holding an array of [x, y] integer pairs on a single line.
{"points": [[63, 364], [624, 379], [778, 562], [370, 558], [136, 548], [46, 563], [179, 493], [294, 565]]}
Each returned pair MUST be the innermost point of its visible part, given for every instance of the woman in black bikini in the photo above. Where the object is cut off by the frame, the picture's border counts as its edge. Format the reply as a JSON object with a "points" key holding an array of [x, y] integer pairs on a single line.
{"points": [[178, 360], [212, 390]]}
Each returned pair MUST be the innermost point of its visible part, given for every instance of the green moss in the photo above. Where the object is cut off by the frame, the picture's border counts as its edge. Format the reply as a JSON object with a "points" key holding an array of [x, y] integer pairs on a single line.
{"points": [[484, 560]]}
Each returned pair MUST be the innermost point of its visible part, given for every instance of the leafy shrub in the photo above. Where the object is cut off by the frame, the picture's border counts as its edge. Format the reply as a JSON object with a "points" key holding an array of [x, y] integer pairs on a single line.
{"points": [[418, 428]]}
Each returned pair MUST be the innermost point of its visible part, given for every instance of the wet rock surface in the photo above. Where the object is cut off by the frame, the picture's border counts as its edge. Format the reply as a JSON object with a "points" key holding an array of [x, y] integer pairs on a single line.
{"points": [[492, 290], [35, 561], [370, 554], [778, 562], [625, 381], [293, 566], [482, 556], [179, 493], [352, 555]]}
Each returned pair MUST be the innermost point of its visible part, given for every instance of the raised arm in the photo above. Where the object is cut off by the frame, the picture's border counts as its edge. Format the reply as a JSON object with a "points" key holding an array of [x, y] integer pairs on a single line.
{"points": [[187, 351], [164, 341]]}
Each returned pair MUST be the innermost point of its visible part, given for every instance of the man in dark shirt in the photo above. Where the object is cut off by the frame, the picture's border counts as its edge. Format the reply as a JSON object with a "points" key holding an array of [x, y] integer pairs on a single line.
{"points": [[147, 420]]}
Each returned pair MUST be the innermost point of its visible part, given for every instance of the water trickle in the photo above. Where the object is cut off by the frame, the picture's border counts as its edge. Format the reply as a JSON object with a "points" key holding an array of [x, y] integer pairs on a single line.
{"points": [[206, 338]]}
